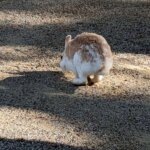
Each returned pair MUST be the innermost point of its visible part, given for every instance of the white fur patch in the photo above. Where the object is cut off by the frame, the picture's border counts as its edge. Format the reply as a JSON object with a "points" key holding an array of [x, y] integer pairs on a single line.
{"points": [[82, 69], [85, 68], [67, 65]]}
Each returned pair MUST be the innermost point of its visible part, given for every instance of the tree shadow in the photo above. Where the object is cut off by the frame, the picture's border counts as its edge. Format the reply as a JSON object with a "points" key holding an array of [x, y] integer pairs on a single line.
{"points": [[121, 118], [63, 7], [38, 81], [22, 144], [38, 35], [124, 24]]}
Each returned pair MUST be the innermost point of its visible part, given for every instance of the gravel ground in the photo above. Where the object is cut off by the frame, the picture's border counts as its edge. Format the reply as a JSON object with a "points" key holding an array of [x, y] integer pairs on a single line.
{"points": [[40, 109]]}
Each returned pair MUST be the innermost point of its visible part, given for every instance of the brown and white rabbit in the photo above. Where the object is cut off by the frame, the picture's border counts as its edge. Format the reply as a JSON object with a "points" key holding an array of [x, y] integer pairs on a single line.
{"points": [[85, 55]]}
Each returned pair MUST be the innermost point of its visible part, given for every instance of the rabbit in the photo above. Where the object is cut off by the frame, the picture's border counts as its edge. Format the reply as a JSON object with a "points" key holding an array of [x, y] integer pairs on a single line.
{"points": [[87, 55]]}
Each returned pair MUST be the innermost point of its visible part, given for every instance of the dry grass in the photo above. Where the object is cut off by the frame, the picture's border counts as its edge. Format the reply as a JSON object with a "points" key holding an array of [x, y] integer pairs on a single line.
{"points": [[41, 109]]}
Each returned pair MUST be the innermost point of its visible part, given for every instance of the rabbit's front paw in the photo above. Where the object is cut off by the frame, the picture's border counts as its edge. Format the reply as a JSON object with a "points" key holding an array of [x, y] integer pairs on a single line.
{"points": [[79, 81]]}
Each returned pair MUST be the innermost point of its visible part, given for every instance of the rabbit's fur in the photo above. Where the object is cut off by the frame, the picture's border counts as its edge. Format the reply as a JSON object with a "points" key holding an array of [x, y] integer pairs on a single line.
{"points": [[85, 55]]}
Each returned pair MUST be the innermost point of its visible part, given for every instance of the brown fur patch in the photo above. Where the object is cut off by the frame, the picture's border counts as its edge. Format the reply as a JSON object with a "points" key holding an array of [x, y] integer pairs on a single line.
{"points": [[98, 41], [86, 54]]}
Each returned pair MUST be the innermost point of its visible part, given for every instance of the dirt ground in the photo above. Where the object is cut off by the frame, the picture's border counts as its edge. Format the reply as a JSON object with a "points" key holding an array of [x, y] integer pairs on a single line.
{"points": [[40, 109]]}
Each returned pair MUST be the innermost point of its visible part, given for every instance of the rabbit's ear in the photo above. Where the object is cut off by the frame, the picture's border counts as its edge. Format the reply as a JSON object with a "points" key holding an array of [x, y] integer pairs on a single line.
{"points": [[68, 39]]}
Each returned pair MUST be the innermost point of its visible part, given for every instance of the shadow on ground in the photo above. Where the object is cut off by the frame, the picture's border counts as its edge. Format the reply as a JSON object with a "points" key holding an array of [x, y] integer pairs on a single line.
{"points": [[38, 81], [122, 118], [21, 144], [124, 24], [60, 8]]}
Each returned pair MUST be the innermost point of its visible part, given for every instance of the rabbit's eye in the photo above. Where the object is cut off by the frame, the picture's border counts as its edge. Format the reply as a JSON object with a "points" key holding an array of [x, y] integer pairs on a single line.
{"points": [[61, 57]]}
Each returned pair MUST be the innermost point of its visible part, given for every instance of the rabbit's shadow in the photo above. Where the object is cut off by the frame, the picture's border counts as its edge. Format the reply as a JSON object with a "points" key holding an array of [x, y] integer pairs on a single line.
{"points": [[40, 81]]}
